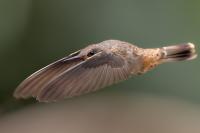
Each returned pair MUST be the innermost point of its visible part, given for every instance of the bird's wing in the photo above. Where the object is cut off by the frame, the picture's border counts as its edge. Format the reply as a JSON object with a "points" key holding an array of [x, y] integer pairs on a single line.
{"points": [[96, 72], [34, 83]]}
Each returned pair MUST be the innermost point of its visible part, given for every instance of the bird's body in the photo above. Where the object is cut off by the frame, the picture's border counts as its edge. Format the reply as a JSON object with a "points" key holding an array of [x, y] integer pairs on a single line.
{"points": [[138, 59], [128, 52], [95, 67]]}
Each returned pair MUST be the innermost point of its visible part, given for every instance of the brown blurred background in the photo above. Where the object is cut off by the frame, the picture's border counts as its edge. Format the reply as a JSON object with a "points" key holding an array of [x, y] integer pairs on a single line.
{"points": [[36, 33]]}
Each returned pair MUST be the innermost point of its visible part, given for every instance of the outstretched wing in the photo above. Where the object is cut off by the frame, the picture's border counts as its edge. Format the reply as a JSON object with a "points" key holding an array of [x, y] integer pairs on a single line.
{"points": [[34, 83], [94, 73]]}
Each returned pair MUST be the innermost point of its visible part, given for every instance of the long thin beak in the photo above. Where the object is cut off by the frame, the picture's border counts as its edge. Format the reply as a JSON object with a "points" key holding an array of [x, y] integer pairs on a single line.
{"points": [[75, 58]]}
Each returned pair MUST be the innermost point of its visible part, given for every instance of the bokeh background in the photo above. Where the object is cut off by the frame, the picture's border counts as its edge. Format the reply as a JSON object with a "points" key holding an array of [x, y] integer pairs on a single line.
{"points": [[34, 33]]}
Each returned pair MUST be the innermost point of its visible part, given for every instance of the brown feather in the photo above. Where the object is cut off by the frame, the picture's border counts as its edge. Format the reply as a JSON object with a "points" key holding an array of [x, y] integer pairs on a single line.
{"points": [[33, 84], [73, 82]]}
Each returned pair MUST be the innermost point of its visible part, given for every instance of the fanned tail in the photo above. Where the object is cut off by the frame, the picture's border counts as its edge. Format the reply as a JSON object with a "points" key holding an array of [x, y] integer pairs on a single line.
{"points": [[185, 51]]}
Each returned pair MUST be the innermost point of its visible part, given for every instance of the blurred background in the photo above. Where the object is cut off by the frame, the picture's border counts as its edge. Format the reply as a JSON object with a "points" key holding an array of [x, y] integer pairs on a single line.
{"points": [[36, 33]]}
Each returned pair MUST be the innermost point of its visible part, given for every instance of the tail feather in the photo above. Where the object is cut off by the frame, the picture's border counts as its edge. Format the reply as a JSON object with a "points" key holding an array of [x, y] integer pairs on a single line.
{"points": [[180, 52]]}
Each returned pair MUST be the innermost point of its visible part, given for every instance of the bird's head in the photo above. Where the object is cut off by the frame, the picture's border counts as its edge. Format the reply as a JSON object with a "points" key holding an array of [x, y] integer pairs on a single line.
{"points": [[85, 53], [90, 51]]}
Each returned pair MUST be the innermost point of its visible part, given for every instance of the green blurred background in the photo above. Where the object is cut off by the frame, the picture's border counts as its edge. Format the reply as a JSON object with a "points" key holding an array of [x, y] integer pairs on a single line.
{"points": [[36, 33]]}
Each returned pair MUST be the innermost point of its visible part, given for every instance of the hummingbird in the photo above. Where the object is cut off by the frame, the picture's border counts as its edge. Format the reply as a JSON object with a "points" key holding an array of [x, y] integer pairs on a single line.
{"points": [[97, 66]]}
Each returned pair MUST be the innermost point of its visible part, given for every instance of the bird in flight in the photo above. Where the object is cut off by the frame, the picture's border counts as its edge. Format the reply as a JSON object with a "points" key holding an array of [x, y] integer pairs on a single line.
{"points": [[97, 66]]}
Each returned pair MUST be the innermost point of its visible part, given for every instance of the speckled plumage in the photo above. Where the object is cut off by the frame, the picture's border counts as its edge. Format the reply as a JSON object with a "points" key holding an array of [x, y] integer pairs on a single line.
{"points": [[95, 67]]}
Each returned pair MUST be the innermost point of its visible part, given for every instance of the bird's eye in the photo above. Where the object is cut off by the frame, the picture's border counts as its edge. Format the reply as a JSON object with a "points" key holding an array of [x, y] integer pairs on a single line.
{"points": [[91, 53]]}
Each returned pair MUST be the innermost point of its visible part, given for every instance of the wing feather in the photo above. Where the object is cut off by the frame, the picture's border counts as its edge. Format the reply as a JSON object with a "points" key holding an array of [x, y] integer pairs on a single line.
{"points": [[86, 77], [32, 85], [67, 78]]}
